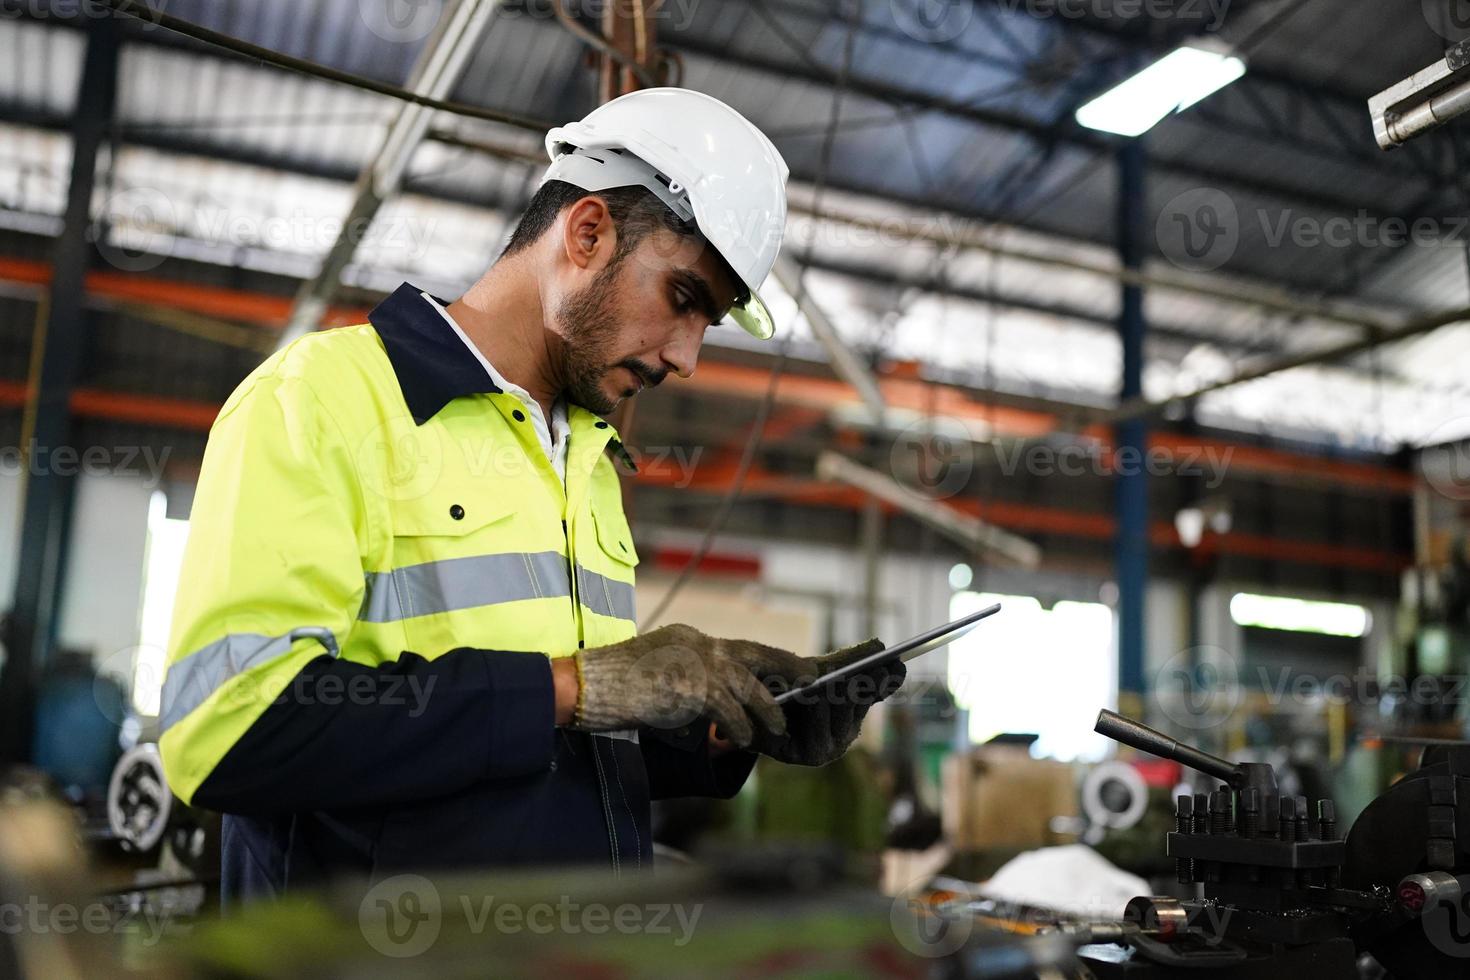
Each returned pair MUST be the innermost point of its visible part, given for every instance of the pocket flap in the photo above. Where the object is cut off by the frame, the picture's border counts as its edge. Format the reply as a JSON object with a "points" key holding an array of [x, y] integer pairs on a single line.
{"points": [[615, 537], [439, 514]]}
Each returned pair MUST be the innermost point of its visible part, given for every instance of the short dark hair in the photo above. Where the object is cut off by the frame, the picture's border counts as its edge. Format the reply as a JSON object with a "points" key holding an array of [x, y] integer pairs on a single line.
{"points": [[636, 212]]}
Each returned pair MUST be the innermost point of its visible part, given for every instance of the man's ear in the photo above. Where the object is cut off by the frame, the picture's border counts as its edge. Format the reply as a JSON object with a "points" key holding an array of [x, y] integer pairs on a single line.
{"points": [[588, 236]]}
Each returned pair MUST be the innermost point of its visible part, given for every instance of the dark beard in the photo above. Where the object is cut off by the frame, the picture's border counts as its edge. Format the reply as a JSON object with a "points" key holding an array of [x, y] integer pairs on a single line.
{"points": [[588, 323]]}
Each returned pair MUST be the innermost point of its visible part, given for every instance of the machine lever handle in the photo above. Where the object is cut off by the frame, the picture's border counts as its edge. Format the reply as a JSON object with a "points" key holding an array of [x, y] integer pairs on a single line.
{"points": [[1146, 739]]}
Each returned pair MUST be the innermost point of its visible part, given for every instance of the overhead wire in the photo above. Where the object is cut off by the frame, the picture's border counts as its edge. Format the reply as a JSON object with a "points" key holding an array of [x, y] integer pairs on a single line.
{"points": [[255, 52], [758, 426]]}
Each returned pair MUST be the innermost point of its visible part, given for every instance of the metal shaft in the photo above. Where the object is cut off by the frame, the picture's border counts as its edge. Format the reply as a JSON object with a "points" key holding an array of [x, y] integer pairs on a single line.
{"points": [[1146, 739]]}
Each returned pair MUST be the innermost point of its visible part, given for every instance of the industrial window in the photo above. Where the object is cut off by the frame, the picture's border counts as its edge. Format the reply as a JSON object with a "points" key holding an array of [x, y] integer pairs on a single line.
{"points": [[166, 537], [1037, 670]]}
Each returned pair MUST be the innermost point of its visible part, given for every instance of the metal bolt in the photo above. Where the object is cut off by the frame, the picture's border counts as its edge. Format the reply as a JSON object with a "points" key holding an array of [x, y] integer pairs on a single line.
{"points": [[1303, 833], [1286, 830], [1184, 822], [1250, 812], [1327, 830], [1219, 824], [1250, 824]]}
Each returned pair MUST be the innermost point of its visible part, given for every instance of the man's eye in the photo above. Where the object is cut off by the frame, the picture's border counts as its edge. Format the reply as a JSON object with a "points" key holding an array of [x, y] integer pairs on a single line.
{"points": [[683, 304]]}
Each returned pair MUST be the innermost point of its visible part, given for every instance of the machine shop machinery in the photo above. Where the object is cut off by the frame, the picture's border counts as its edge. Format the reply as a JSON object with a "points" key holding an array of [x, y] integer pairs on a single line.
{"points": [[1281, 893]]}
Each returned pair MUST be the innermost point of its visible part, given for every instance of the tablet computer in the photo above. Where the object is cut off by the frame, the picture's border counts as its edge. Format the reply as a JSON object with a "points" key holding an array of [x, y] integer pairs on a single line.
{"points": [[914, 646]]}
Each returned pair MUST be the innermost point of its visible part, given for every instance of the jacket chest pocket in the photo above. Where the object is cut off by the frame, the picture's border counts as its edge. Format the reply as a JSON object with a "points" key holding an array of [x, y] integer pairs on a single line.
{"points": [[605, 574], [452, 557]]}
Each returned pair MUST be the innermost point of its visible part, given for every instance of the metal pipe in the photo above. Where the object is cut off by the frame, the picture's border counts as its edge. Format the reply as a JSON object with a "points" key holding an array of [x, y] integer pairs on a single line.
{"points": [[845, 361], [1431, 114], [968, 531], [1137, 408]]}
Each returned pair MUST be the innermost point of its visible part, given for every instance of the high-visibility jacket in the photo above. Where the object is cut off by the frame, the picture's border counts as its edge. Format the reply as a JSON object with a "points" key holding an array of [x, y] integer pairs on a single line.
{"points": [[381, 561]]}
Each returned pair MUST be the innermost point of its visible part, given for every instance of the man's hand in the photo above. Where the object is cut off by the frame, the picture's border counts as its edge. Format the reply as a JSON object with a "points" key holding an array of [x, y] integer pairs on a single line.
{"points": [[822, 724], [676, 674]]}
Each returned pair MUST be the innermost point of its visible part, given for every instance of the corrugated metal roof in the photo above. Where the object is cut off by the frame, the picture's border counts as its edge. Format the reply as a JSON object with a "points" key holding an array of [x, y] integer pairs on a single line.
{"points": [[212, 123]]}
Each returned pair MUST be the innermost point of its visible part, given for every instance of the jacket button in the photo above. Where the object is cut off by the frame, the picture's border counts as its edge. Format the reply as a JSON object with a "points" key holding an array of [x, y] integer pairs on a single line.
{"points": [[682, 733], [553, 765], [518, 415], [456, 512], [600, 425]]}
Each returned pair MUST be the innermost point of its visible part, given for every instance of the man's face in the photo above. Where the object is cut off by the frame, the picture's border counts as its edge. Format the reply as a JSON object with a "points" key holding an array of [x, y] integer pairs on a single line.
{"points": [[640, 318]]}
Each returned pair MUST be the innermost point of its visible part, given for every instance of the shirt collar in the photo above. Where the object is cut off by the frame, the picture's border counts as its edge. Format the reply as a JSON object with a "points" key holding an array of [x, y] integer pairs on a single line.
{"points": [[432, 365]]}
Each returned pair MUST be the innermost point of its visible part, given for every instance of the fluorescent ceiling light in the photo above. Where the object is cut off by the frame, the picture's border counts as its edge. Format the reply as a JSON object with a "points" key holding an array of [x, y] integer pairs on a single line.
{"points": [[1172, 84], [1299, 615]]}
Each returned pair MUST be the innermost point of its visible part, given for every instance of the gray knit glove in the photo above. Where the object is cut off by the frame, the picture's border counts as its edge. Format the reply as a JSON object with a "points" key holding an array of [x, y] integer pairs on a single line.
{"points": [[820, 726], [669, 677]]}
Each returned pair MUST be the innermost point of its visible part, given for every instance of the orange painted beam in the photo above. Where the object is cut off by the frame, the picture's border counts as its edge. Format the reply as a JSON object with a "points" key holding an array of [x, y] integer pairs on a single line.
{"points": [[1035, 519], [901, 387], [1020, 517], [217, 301], [175, 413]]}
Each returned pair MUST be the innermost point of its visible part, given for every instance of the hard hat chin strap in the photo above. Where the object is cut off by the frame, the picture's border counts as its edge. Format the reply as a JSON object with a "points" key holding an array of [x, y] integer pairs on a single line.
{"points": [[602, 170]]}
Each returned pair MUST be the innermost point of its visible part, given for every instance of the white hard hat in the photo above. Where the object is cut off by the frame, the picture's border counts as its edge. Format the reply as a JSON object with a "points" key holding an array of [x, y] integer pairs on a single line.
{"points": [[701, 158]]}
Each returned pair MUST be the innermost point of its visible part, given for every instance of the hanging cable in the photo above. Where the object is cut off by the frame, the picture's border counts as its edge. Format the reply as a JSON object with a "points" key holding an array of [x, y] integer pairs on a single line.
{"points": [[600, 44], [255, 52]]}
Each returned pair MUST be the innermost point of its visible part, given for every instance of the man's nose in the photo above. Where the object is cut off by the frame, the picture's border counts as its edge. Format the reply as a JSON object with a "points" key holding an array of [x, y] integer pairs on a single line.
{"points": [[681, 353]]}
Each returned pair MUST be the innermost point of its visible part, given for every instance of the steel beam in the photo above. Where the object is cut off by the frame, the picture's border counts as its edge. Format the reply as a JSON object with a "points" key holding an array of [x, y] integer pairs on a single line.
{"points": [[56, 356], [845, 361], [1131, 437], [965, 529], [439, 68]]}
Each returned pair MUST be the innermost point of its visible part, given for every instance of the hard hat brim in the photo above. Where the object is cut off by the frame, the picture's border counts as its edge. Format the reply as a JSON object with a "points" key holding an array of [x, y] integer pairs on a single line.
{"points": [[755, 317]]}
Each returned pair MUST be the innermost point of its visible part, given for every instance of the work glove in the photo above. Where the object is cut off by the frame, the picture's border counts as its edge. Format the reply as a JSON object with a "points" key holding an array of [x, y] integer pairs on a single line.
{"points": [[822, 724], [675, 674]]}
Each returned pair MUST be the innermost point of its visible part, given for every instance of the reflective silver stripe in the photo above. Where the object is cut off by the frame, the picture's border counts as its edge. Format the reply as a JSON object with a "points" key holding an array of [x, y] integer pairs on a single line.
{"points": [[463, 583], [606, 595], [191, 681], [626, 734]]}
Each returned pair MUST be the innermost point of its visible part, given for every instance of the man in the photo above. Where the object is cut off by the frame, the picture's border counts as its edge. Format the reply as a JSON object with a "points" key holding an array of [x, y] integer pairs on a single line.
{"points": [[404, 636]]}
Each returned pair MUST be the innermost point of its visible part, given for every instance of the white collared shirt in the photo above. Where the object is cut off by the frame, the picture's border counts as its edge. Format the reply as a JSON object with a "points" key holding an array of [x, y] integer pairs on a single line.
{"points": [[553, 437]]}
